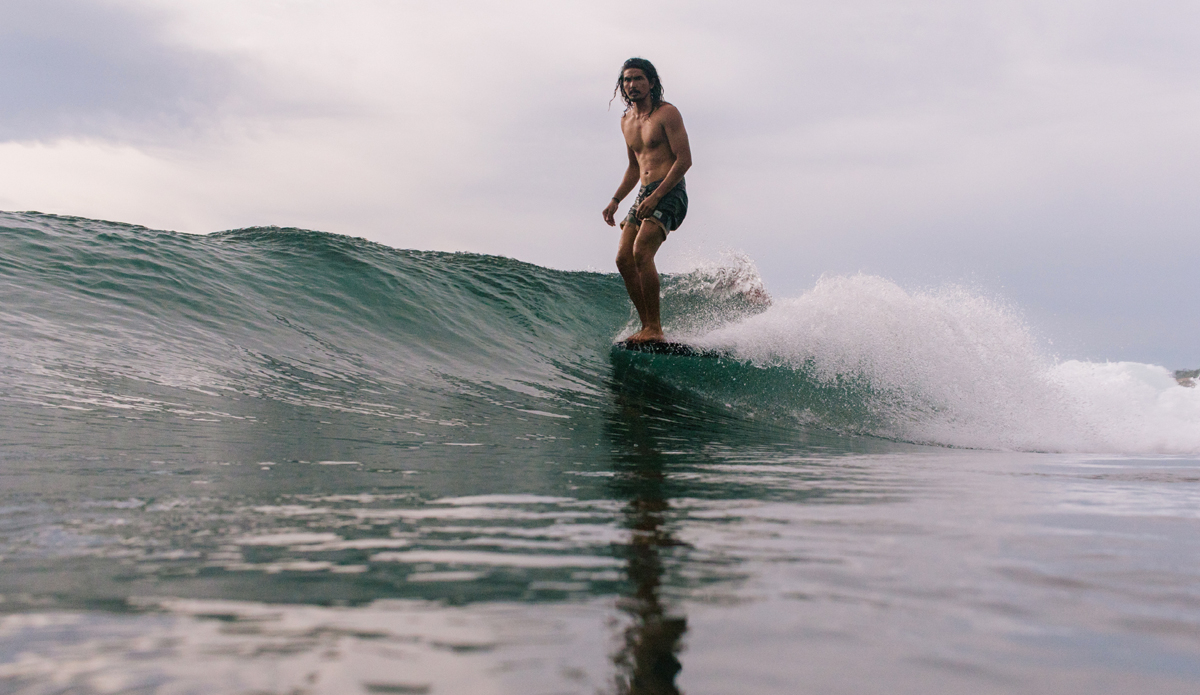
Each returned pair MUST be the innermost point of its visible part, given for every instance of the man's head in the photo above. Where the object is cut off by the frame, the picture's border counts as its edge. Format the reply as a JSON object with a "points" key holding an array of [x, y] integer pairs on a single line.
{"points": [[638, 79]]}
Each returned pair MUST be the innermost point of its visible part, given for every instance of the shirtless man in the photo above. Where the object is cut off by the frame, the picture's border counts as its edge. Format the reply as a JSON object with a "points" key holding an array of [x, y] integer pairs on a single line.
{"points": [[659, 155]]}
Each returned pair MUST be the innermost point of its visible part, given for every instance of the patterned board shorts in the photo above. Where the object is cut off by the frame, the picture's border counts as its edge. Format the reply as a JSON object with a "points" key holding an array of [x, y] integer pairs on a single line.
{"points": [[671, 209]]}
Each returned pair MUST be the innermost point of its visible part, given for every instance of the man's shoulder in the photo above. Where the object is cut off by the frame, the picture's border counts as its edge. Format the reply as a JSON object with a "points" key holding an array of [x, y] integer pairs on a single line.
{"points": [[667, 110], [666, 113]]}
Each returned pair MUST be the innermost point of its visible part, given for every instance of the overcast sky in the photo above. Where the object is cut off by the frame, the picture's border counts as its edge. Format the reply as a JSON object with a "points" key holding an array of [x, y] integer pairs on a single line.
{"points": [[1047, 153]]}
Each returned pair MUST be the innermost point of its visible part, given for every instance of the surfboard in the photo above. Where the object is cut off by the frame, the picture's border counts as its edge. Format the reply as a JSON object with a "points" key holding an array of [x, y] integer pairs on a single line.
{"points": [[662, 347]]}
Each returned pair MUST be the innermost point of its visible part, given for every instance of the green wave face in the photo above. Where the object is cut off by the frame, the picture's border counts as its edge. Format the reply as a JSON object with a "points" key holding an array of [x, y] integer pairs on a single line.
{"points": [[316, 320], [97, 315]]}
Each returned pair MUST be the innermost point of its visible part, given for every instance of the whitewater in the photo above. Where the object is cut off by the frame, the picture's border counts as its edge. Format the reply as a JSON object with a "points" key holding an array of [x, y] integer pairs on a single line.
{"points": [[283, 460], [953, 368]]}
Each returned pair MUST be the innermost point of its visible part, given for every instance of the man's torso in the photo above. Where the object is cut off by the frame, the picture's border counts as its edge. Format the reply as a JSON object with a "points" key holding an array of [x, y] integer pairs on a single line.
{"points": [[647, 137]]}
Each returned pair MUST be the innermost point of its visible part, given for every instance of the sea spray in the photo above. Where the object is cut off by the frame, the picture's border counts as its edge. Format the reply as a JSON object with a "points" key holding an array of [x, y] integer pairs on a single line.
{"points": [[707, 295], [955, 368]]}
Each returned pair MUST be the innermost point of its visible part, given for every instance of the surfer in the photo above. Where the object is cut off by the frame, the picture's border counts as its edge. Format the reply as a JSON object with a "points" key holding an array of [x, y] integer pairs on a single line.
{"points": [[658, 150]]}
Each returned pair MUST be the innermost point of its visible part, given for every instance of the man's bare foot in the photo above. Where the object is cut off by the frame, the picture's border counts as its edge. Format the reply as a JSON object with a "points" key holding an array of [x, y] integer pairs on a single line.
{"points": [[647, 335]]}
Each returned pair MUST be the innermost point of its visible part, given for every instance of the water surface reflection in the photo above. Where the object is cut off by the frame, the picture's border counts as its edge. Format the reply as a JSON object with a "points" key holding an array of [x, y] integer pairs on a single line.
{"points": [[648, 660]]}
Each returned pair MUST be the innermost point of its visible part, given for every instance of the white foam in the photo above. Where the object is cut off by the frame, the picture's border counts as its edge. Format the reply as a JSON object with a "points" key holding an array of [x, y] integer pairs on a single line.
{"points": [[954, 368], [1141, 407]]}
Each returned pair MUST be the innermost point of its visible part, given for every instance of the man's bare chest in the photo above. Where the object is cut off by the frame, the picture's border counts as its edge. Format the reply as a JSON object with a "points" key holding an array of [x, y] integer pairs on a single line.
{"points": [[644, 134]]}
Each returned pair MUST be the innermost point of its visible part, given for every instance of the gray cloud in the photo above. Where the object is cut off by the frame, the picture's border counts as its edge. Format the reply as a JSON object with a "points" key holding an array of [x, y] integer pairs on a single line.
{"points": [[81, 69]]}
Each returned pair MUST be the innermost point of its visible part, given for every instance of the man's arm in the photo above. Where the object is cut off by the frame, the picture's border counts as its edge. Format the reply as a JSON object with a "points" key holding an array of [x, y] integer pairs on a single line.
{"points": [[677, 138], [632, 174]]}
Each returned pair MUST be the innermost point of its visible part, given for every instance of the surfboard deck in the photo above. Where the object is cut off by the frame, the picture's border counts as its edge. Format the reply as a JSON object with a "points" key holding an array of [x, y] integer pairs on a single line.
{"points": [[663, 347]]}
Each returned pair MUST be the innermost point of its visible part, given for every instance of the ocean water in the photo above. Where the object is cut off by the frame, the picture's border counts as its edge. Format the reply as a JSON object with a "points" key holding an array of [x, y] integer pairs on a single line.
{"points": [[285, 461]]}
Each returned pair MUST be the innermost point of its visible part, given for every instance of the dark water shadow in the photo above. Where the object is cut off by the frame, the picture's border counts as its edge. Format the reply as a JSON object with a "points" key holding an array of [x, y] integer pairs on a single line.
{"points": [[648, 659]]}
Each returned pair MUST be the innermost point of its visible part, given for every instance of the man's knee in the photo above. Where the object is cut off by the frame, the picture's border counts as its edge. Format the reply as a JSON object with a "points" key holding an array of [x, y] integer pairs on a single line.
{"points": [[625, 260], [626, 257]]}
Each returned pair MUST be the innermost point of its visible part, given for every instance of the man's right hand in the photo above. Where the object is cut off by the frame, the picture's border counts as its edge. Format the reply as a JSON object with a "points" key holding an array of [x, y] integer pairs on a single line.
{"points": [[608, 212]]}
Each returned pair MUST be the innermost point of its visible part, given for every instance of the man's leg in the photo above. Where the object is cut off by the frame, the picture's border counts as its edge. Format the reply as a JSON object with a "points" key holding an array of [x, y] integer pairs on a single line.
{"points": [[628, 268], [650, 236]]}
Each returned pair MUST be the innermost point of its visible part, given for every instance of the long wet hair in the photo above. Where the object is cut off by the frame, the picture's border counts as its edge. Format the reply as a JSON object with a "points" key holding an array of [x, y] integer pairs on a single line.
{"points": [[647, 68]]}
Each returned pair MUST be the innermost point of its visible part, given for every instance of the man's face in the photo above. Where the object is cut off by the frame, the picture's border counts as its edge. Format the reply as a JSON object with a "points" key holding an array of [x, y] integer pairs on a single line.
{"points": [[635, 84]]}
